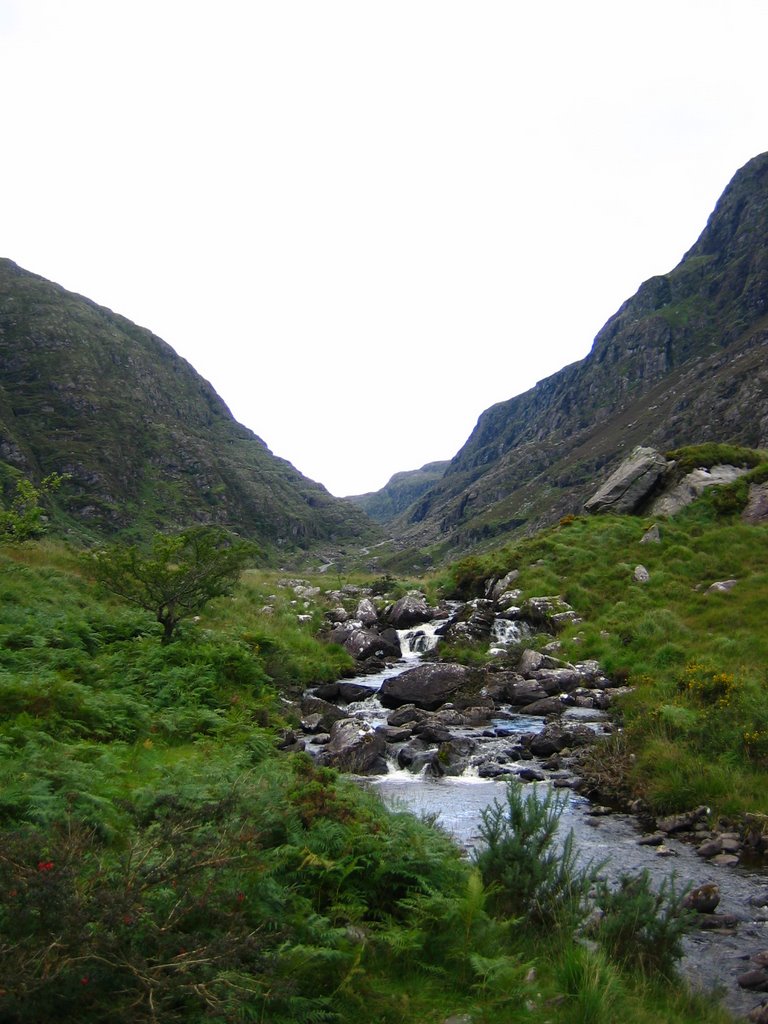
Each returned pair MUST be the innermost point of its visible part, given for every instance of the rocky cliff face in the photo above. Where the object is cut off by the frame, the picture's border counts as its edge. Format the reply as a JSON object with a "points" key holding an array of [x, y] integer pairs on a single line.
{"points": [[681, 362], [399, 492], [147, 442]]}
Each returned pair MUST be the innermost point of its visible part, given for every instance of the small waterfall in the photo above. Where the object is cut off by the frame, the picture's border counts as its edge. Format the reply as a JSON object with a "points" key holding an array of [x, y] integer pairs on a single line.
{"points": [[506, 632]]}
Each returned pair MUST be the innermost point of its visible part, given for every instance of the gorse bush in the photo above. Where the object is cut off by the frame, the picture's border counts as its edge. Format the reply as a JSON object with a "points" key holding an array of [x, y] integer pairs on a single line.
{"points": [[528, 872], [640, 927]]}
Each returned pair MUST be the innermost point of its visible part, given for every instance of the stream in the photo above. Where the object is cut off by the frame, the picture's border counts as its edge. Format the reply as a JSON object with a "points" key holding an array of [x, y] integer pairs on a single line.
{"points": [[713, 958]]}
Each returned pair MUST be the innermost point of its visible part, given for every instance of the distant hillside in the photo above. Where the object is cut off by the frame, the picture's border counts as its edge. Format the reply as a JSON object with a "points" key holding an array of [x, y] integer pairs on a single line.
{"points": [[683, 361], [148, 443], [399, 492]]}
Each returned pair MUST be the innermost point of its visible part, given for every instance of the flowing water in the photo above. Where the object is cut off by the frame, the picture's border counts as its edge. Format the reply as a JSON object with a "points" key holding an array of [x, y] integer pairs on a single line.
{"points": [[713, 959]]}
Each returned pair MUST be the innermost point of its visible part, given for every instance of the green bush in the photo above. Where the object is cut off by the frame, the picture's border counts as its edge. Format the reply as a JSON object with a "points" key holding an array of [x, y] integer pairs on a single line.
{"points": [[642, 929], [530, 874]]}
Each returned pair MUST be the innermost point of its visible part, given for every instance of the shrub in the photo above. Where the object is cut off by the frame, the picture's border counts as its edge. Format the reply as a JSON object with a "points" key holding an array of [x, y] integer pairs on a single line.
{"points": [[533, 876], [642, 929]]}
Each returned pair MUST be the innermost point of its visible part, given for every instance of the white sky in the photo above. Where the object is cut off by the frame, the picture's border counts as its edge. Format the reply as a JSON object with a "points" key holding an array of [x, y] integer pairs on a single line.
{"points": [[365, 221]]}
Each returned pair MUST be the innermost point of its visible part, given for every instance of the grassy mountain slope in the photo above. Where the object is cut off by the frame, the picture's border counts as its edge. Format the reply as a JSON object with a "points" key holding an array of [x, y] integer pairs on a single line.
{"points": [[147, 442], [161, 860], [681, 362], [696, 724]]}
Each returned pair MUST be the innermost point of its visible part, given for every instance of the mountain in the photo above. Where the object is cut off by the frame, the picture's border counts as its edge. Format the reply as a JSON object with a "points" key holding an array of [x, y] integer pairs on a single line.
{"points": [[146, 441], [399, 492], [684, 361]]}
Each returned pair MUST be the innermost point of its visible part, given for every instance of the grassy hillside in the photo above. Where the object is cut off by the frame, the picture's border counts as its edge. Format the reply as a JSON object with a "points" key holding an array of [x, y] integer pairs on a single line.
{"points": [[161, 860], [696, 723], [145, 442]]}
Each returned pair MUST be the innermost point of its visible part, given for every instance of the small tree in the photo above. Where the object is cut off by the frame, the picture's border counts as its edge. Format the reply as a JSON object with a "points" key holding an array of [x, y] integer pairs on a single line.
{"points": [[177, 576], [23, 517]]}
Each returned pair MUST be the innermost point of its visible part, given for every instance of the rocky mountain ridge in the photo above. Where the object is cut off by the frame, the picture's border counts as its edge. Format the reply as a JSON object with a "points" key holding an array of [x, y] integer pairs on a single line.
{"points": [[146, 442], [681, 362]]}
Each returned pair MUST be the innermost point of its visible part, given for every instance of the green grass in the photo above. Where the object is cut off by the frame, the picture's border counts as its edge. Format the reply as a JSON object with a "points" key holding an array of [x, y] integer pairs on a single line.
{"points": [[697, 721], [160, 860]]}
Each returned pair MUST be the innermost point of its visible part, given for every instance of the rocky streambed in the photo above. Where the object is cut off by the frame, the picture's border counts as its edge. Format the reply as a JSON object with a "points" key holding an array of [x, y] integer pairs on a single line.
{"points": [[442, 739]]}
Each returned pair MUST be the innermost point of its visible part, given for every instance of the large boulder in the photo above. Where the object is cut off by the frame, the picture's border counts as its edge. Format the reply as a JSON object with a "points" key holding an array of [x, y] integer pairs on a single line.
{"points": [[355, 747], [427, 686], [757, 504], [691, 486], [365, 643], [628, 486], [409, 610]]}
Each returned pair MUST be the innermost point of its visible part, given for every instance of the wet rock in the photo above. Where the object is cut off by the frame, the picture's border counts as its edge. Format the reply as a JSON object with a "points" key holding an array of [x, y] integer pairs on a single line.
{"points": [[545, 706], [355, 747], [352, 692], [431, 732], [409, 610], [725, 860], [557, 680], [427, 686], [654, 839], [365, 643], [318, 714], [525, 692], [759, 1015], [756, 981], [725, 923], [531, 775], [406, 714], [681, 822], [703, 899], [395, 733], [710, 848]]}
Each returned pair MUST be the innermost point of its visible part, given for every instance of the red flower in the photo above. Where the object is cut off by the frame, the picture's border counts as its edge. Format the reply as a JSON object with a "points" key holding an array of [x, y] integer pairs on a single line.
{"points": [[84, 980], [45, 865]]}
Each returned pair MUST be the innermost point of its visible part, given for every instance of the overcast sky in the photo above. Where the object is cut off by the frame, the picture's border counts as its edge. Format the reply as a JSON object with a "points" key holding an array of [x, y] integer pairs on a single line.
{"points": [[365, 222]]}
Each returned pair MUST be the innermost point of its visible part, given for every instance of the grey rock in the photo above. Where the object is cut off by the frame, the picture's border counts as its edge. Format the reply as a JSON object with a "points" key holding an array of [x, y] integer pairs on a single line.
{"points": [[355, 747], [409, 610], [641, 574], [363, 643], [652, 536], [427, 686], [756, 510], [721, 587], [703, 899], [692, 486], [627, 487], [756, 981], [367, 612]]}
